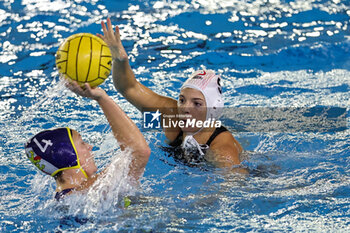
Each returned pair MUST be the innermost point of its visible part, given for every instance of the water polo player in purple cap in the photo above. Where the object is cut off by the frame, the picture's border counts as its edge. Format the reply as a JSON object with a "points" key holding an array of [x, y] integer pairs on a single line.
{"points": [[63, 154], [200, 99]]}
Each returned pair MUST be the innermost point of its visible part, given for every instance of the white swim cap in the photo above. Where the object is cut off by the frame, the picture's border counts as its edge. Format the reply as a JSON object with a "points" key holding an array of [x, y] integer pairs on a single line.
{"points": [[208, 83]]}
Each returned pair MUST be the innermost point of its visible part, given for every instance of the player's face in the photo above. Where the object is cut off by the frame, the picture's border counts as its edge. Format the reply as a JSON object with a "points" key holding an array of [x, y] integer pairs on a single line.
{"points": [[191, 105], [86, 157]]}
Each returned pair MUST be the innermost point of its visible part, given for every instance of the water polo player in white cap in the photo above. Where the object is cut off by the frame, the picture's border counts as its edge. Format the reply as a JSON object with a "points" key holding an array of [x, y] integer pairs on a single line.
{"points": [[200, 99]]}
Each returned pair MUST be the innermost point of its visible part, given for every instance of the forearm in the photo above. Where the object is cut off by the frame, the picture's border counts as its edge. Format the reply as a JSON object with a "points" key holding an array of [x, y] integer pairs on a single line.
{"points": [[127, 134], [123, 76], [124, 129], [135, 92]]}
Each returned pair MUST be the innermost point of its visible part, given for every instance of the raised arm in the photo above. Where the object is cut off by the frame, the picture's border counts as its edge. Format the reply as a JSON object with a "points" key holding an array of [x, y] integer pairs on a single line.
{"points": [[123, 128], [123, 76], [125, 82]]}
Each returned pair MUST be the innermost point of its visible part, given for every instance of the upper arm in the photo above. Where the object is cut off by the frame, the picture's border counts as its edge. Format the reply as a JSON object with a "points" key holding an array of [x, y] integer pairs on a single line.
{"points": [[138, 163], [225, 150]]}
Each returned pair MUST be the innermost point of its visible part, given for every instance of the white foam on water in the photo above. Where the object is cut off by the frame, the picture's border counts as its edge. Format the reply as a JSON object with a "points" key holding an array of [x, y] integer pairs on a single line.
{"points": [[106, 195]]}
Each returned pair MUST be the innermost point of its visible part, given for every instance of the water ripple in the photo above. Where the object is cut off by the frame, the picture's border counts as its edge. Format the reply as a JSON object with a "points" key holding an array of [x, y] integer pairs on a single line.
{"points": [[269, 53]]}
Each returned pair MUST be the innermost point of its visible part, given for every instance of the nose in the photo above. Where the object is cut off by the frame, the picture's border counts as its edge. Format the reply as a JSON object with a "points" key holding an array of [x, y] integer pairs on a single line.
{"points": [[90, 147], [186, 107]]}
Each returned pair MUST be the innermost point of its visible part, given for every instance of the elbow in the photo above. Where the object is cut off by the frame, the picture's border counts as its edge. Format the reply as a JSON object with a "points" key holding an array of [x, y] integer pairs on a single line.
{"points": [[143, 153], [146, 151], [119, 87], [126, 90]]}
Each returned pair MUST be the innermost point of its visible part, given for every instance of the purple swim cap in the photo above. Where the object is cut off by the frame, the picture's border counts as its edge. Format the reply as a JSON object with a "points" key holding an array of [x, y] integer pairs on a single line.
{"points": [[52, 151]]}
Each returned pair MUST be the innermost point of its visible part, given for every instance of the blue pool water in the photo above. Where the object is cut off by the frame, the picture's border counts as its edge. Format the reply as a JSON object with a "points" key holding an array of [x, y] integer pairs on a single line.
{"points": [[271, 54]]}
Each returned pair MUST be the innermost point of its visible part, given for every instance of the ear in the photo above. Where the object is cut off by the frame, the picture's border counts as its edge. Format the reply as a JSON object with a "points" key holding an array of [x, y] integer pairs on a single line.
{"points": [[215, 112]]}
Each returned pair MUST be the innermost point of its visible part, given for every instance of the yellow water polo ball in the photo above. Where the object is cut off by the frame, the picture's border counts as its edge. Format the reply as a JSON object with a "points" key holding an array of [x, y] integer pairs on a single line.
{"points": [[84, 58]]}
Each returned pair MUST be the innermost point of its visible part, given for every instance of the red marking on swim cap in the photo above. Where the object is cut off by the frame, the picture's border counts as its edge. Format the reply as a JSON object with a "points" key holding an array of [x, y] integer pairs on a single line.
{"points": [[204, 73]]}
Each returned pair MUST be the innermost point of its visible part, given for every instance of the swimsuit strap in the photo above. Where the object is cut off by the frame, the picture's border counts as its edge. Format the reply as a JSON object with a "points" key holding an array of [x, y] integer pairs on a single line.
{"points": [[216, 133], [178, 140], [60, 195]]}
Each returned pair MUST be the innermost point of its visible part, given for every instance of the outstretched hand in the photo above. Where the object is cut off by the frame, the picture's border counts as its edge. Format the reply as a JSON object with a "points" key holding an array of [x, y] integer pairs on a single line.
{"points": [[86, 90], [113, 41]]}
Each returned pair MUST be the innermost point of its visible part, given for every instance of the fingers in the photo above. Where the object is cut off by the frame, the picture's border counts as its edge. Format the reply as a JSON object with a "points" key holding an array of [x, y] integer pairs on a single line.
{"points": [[109, 24], [104, 29], [108, 30], [117, 33], [69, 84], [87, 88], [74, 87]]}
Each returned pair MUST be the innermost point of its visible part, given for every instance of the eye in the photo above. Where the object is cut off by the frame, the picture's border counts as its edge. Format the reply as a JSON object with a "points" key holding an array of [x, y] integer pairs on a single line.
{"points": [[197, 104], [181, 100]]}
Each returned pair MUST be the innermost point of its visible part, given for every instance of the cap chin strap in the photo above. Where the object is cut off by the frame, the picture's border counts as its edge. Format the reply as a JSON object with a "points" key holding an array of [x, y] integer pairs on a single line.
{"points": [[68, 168], [78, 166], [190, 142], [76, 152], [82, 170]]}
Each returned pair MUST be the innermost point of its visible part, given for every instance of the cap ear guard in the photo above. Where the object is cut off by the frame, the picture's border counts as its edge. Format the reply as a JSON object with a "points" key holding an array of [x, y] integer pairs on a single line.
{"points": [[78, 166], [214, 113]]}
